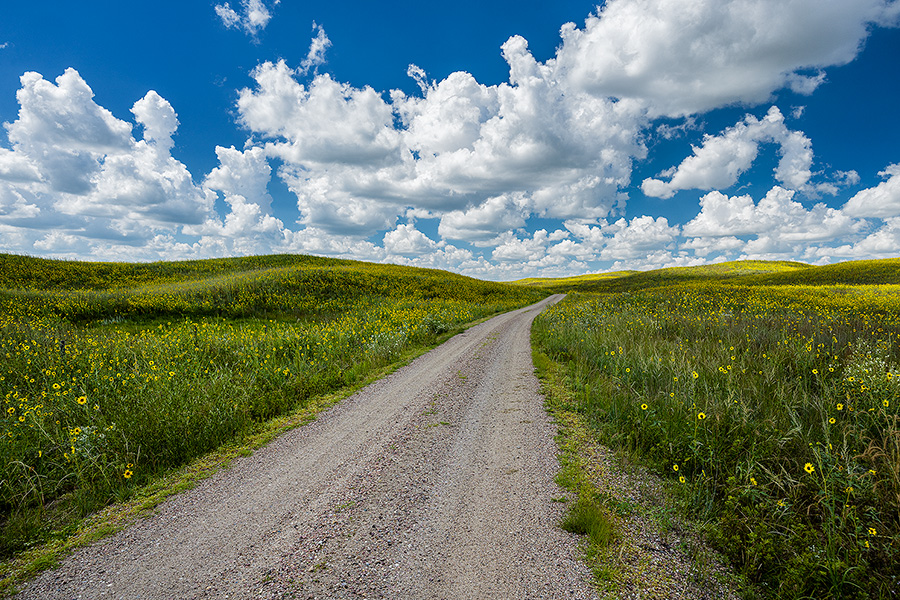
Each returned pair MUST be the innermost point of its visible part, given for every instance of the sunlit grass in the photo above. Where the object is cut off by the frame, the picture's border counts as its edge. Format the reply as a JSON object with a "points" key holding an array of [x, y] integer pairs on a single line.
{"points": [[590, 519], [774, 409], [743, 272], [104, 388], [578, 279]]}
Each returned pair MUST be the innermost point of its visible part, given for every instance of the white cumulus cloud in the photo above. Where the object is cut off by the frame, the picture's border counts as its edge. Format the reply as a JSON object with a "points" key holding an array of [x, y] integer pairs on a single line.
{"points": [[454, 150], [158, 119], [253, 17], [881, 243], [408, 241], [317, 48], [638, 238], [881, 201], [721, 159], [483, 223], [76, 169], [776, 228], [681, 57], [513, 249], [249, 227], [326, 122]]}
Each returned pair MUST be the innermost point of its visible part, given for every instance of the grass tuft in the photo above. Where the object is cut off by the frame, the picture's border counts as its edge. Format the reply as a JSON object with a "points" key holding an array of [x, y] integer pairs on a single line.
{"points": [[589, 519]]}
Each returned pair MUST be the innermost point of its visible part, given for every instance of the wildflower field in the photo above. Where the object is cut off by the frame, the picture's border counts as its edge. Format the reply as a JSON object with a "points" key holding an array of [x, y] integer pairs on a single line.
{"points": [[114, 373], [768, 393]]}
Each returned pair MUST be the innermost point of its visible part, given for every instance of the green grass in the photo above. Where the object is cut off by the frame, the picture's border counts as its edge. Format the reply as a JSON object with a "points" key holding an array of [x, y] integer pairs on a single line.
{"points": [[745, 273], [773, 408], [590, 519], [115, 374], [555, 282], [588, 510], [25, 272], [143, 499]]}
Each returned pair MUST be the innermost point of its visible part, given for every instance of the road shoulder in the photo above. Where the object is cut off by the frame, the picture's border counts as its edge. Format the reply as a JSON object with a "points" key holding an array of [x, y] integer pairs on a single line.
{"points": [[654, 553]]}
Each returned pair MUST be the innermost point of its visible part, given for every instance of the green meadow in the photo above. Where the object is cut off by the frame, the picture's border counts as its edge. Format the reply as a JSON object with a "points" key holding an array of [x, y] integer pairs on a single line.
{"points": [[114, 374], [766, 393]]}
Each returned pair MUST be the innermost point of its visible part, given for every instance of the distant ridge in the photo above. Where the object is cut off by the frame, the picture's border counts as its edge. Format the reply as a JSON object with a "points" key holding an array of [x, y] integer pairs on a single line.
{"points": [[29, 272], [749, 272], [286, 285]]}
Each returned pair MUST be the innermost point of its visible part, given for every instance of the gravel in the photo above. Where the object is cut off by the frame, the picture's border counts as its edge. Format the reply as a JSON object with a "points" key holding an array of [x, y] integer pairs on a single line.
{"points": [[434, 482], [657, 554]]}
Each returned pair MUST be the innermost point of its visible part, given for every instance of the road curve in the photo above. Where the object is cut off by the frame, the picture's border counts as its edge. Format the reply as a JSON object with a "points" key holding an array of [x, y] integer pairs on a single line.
{"points": [[434, 482]]}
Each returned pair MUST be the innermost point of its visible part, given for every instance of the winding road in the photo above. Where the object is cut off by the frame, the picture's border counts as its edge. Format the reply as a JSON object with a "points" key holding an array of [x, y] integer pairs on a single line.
{"points": [[434, 482]]}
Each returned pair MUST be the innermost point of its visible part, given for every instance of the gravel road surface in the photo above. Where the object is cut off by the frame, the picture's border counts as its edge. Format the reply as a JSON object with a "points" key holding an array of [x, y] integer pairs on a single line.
{"points": [[434, 482]]}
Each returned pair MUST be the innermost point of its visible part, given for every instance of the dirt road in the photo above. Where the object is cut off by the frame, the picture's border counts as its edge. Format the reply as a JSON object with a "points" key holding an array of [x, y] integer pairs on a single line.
{"points": [[434, 482]]}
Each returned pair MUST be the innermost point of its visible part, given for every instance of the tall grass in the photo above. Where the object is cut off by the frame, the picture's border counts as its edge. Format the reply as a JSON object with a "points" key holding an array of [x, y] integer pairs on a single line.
{"points": [[741, 272], [775, 409], [103, 389]]}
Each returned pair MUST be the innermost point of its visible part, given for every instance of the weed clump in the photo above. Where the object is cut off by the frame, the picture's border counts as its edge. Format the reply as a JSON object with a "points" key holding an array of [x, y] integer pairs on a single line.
{"points": [[589, 519]]}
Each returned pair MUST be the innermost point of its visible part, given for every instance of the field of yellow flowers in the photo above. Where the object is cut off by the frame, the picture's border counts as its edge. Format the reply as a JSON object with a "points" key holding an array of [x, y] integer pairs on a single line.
{"points": [[770, 399], [113, 373]]}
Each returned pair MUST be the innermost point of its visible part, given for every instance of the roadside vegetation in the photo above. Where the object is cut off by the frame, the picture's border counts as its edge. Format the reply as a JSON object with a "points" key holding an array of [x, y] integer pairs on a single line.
{"points": [[768, 394], [114, 374]]}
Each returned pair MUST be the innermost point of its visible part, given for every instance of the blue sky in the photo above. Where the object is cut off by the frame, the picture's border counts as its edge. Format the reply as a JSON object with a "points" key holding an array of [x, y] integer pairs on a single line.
{"points": [[503, 140]]}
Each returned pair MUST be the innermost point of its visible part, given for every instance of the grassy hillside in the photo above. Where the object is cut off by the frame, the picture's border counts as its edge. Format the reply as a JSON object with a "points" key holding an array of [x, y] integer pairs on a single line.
{"points": [[857, 272], [114, 373], [554, 282], [768, 396], [24, 272], [286, 286], [749, 273]]}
